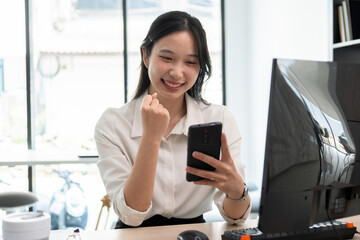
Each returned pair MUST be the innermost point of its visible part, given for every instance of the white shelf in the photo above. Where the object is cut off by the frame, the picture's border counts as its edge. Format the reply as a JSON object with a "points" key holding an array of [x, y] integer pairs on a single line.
{"points": [[34, 157]]}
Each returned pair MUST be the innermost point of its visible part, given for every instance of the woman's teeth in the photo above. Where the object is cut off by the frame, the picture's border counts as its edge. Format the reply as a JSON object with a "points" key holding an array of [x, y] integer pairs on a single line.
{"points": [[173, 85]]}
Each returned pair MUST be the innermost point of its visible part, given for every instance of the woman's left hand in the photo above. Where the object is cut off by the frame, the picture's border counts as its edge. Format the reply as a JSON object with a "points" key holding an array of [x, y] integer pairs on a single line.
{"points": [[225, 177]]}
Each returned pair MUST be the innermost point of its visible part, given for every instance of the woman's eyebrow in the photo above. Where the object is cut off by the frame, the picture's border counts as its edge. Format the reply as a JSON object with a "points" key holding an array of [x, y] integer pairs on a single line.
{"points": [[171, 52], [166, 51]]}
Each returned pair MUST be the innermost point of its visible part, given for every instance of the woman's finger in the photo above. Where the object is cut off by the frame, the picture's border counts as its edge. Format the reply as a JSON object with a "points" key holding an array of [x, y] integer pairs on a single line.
{"points": [[211, 175], [225, 152], [206, 182], [207, 159], [147, 100], [154, 102], [154, 95]]}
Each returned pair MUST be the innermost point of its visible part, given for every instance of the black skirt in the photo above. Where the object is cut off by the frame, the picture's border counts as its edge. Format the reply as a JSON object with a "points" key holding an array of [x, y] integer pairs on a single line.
{"points": [[159, 220]]}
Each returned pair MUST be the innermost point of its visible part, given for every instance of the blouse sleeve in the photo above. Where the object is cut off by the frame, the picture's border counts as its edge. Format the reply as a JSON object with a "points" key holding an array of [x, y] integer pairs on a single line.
{"points": [[234, 141], [114, 167]]}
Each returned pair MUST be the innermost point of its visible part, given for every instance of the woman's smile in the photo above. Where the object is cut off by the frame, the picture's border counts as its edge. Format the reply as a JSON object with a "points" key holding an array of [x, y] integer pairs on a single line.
{"points": [[170, 85]]}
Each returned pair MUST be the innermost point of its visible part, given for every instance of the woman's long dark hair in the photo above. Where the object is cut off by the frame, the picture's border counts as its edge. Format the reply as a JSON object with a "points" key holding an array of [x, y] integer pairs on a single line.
{"points": [[165, 24]]}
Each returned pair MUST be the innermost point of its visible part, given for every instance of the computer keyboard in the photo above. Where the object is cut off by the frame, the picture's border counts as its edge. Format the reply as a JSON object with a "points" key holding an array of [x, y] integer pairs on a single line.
{"points": [[317, 231]]}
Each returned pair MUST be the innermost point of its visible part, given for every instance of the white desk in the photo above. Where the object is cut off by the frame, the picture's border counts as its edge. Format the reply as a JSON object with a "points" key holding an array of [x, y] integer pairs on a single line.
{"points": [[212, 230]]}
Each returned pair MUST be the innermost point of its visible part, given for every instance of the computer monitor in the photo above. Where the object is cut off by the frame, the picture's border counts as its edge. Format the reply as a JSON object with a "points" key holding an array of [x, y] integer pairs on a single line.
{"points": [[312, 153]]}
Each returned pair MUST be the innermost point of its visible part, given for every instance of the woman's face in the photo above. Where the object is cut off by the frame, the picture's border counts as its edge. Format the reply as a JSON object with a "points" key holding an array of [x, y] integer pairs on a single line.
{"points": [[173, 65]]}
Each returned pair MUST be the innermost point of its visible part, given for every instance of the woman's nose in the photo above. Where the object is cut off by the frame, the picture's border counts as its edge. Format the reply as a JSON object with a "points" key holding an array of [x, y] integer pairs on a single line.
{"points": [[176, 71]]}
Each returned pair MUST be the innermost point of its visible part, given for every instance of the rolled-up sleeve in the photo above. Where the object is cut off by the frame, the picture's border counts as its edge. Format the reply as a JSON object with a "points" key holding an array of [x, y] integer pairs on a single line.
{"points": [[219, 202], [114, 167]]}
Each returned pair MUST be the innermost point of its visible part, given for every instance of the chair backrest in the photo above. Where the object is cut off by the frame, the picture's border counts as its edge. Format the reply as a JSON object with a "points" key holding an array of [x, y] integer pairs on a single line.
{"points": [[11, 200]]}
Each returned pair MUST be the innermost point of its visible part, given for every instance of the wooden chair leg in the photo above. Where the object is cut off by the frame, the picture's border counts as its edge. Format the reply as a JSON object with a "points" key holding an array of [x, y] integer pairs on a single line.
{"points": [[106, 202]]}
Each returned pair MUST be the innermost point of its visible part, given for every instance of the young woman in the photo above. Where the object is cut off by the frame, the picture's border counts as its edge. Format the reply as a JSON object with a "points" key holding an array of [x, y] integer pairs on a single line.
{"points": [[143, 145]]}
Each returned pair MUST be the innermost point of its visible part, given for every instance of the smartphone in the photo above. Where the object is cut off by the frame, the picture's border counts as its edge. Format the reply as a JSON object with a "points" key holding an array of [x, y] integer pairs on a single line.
{"points": [[204, 138]]}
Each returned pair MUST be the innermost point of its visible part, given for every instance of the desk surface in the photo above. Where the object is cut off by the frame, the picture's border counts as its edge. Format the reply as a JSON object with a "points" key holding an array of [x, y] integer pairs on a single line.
{"points": [[212, 230]]}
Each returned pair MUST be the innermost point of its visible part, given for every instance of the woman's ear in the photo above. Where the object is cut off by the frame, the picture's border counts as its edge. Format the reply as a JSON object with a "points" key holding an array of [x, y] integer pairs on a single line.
{"points": [[144, 58]]}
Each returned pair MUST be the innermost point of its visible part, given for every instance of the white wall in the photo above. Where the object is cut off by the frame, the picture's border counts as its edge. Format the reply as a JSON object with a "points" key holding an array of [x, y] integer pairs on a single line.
{"points": [[236, 47], [258, 31]]}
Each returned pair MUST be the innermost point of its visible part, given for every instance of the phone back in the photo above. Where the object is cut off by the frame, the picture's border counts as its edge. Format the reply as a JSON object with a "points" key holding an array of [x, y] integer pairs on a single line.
{"points": [[204, 138]]}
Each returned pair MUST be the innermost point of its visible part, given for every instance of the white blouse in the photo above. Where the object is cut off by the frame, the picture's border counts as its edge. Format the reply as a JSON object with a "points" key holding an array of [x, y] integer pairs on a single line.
{"points": [[117, 135]]}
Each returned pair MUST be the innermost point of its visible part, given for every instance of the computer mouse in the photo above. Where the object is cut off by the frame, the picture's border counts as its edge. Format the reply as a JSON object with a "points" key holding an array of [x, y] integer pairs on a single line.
{"points": [[192, 235]]}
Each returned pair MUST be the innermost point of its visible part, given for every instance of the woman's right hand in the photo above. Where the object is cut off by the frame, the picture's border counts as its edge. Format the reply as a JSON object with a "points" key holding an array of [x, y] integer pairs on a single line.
{"points": [[155, 118], [139, 186]]}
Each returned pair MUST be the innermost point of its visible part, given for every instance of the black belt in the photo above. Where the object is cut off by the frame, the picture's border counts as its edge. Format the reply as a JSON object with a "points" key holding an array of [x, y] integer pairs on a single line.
{"points": [[159, 220]]}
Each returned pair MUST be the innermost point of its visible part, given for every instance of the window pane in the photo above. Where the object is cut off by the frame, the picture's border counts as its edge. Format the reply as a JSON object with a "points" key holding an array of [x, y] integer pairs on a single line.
{"points": [[71, 194], [13, 123], [141, 14], [78, 59], [13, 178]]}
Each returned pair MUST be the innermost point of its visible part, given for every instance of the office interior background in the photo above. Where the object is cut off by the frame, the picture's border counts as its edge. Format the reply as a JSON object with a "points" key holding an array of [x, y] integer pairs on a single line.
{"points": [[77, 71]]}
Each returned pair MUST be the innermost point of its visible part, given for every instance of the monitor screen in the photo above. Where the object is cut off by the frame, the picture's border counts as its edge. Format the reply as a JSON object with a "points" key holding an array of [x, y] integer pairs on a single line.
{"points": [[311, 169]]}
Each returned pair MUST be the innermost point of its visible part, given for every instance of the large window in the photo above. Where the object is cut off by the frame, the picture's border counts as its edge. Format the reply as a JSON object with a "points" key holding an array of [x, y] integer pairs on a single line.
{"points": [[78, 65], [77, 69]]}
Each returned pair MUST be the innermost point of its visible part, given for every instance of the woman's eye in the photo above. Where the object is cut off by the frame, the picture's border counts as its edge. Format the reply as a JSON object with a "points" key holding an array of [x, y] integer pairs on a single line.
{"points": [[191, 62], [166, 58]]}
